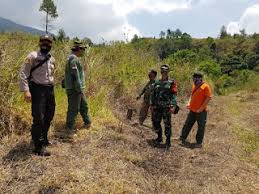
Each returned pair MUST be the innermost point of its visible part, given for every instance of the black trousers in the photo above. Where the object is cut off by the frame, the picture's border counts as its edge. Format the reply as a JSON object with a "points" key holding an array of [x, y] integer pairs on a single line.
{"points": [[43, 109], [192, 117]]}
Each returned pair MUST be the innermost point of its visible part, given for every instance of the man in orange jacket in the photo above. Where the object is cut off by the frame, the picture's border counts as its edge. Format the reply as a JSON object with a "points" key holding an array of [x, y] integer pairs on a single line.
{"points": [[201, 95]]}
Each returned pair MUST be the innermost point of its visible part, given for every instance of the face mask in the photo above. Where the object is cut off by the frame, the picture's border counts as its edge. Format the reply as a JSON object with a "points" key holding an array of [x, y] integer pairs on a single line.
{"points": [[45, 48], [197, 80]]}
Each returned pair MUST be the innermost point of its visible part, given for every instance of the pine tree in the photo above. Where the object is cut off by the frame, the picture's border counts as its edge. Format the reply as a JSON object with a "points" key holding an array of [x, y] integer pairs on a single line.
{"points": [[50, 8]]}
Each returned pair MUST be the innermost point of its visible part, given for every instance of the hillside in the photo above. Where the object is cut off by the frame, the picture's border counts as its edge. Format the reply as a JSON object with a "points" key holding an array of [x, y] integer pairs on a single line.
{"points": [[117, 155], [10, 26]]}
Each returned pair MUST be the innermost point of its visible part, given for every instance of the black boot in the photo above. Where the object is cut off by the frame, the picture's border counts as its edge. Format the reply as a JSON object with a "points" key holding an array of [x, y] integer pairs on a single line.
{"points": [[39, 149], [159, 138], [168, 143], [46, 142]]}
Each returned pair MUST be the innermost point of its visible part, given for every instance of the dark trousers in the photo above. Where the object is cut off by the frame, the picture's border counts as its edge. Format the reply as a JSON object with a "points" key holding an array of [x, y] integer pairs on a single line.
{"points": [[160, 114], [143, 112], [76, 103], [43, 109], [192, 117]]}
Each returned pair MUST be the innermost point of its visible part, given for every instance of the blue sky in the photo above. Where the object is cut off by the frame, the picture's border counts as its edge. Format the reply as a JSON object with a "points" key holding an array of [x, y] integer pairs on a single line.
{"points": [[118, 19]]}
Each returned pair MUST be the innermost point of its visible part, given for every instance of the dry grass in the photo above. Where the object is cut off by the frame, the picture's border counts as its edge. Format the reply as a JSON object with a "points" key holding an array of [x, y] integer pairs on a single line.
{"points": [[106, 159]]}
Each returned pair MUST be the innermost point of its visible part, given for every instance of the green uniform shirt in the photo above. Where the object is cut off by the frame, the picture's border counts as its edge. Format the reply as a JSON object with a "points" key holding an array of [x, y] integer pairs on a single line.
{"points": [[163, 94], [147, 91], [74, 74]]}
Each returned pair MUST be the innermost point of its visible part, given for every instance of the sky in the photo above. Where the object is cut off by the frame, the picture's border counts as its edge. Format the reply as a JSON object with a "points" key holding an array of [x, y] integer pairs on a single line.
{"points": [[109, 20]]}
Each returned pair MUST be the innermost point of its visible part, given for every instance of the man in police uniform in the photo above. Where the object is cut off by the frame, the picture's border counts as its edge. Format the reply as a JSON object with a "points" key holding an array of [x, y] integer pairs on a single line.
{"points": [[75, 86], [163, 103], [36, 81]]}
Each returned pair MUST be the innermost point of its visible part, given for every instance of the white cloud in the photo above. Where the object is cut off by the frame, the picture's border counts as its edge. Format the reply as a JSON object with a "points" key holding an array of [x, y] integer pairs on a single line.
{"points": [[96, 19], [125, 7], [122, 8], [248, 21], [123, 32]]}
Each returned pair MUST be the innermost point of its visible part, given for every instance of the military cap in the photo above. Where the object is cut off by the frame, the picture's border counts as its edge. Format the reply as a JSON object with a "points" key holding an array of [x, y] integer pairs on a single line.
{"points": [[78, 45], [164, 68], [46, 37]]}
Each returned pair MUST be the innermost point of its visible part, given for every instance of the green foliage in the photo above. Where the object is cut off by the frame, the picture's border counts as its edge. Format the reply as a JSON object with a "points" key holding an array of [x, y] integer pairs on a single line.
{"points": [[62, 35], [183, 56], [223, 32], [50, 9], [210, 68]]}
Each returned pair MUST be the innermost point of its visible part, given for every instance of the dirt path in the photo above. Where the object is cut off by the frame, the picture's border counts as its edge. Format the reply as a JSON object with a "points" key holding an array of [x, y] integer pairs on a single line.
{"points": [[120, 159]]}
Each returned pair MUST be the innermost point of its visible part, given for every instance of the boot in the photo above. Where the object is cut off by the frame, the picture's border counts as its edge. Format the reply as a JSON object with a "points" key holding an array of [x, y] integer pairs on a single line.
{"points": [[159, 138], [168, 143], [39, 150], [46, 143]]}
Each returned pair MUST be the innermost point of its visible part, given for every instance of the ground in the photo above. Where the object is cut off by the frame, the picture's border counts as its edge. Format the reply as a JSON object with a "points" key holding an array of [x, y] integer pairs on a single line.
{"points": [[120, 158]]}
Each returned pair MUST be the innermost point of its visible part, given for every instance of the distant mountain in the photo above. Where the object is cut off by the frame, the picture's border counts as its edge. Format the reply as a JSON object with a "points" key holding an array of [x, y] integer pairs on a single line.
{"points": [[10, 26]]}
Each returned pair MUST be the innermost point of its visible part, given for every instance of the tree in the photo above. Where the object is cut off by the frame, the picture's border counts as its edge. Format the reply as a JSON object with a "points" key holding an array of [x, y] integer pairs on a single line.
{"points": [[178, 33], [61, 35], [135, 38], [169, 32], [88, 41], [243, 33], [50, 8], [162, 34], [223, 32]]}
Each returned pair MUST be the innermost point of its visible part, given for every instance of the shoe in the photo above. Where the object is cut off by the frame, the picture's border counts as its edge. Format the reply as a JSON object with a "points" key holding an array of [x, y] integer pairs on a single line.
{"points": [[183, 141], [198, 145], [158, 140], [41, 152], [46, 143], [167, 144], [87, 126]]}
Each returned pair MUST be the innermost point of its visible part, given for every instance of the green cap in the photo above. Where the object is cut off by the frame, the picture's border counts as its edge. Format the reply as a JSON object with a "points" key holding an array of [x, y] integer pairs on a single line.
{"points": [[78, 45]]}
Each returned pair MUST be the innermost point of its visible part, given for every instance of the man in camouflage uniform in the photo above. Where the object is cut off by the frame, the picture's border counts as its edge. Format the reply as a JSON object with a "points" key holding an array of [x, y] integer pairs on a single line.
{"points": [[36, 81], [163, 103], [75, 86], [146, 91]]}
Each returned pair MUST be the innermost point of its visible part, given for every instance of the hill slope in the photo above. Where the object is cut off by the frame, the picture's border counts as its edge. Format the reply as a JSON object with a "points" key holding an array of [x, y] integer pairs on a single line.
{"points": [[10, 26], [121, 159]]}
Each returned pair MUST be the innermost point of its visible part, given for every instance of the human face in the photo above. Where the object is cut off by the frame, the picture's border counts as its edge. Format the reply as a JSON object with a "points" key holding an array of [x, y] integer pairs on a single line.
{"points": [[164, 74], [152, 76], [45, 46], [197, 80]]}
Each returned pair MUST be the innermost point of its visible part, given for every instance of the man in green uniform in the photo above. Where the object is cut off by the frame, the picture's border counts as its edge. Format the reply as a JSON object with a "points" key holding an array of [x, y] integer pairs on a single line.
{"points": [[75, 85], [146, 91], [163, 103]]}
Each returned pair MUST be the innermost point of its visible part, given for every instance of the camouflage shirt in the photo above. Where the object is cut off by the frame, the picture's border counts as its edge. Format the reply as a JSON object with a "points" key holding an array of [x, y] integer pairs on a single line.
{"points": [[74, 74], [147, 91], [164, 93]]}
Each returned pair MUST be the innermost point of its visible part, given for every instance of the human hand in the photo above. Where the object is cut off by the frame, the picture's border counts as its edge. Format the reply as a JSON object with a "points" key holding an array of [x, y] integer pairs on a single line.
{"points": [[152, 108], [172, 110], [200, 110], [27, 96]]}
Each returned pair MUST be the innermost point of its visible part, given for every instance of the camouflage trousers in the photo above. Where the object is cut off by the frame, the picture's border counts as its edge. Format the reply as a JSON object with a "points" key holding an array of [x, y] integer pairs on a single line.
{"points": [[159, 114], [143, 112]]}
